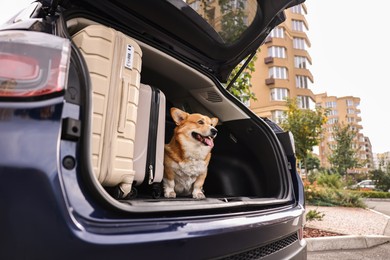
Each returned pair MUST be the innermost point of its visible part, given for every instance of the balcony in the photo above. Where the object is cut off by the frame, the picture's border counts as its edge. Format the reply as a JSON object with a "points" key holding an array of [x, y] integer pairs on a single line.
{"points": [[269, 81], [268, 60], [268, 39]]}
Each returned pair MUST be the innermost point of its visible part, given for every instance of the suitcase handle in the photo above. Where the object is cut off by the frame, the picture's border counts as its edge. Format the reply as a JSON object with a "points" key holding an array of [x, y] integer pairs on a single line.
{"points": [[123, 107]]}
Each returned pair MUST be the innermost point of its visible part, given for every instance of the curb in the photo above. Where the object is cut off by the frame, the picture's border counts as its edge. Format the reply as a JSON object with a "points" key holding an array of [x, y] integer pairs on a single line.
{"points": [[386, 230], [345, 242]]}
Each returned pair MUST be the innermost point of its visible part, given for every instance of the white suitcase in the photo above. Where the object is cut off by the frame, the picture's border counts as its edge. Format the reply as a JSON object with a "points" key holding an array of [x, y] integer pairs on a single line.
{"points": [[114, 63], [149, 140]]}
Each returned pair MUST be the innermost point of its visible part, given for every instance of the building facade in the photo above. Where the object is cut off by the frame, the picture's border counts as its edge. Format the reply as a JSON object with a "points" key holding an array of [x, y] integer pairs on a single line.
{"points": [[344, 111], [382, 161], [282, 67], [282, 70]]}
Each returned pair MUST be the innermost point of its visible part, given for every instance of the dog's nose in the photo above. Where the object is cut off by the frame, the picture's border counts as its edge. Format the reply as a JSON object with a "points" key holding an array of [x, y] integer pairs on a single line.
{"points": [[213, 131]]}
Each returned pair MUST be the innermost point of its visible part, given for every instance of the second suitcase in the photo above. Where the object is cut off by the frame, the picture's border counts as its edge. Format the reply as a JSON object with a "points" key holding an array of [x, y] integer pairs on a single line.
{"points": [[149, 139]]}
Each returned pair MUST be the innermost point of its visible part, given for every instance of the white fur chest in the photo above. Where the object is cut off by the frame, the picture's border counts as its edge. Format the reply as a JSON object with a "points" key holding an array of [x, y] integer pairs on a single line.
{"points": [[186, 174]]}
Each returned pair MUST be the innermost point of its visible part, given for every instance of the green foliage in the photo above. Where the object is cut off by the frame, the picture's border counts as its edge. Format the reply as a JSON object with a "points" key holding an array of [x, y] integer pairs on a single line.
{"points": [[233, 24], [382, 179], [313, 214], [325, 194], [241, 88], [233, 20], [305, 125], [343, 156], [333, 197], [312, 162], [371, 194], [312, 176], [332, 181]]}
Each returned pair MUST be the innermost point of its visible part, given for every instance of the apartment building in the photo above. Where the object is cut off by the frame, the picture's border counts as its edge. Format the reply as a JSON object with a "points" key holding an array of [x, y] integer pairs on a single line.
{"points": [[344, 110], [282, 67], [381, 160]]}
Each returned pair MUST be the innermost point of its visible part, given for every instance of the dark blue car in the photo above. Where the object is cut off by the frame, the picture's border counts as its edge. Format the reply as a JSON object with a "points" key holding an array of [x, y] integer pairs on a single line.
{"points": [[53, 204]]}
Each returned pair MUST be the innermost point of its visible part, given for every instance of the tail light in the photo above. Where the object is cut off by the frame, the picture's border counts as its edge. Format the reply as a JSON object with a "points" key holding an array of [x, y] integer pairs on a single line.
{"points": [[32, 64]]}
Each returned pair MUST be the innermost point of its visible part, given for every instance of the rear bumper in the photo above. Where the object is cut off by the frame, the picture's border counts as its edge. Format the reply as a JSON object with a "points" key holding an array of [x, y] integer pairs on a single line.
{"points": [[37, 221]]}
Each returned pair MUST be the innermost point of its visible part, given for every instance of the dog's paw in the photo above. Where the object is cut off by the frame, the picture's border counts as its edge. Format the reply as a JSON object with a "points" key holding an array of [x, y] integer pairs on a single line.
{"points": [[198, 195], [171, 194]]}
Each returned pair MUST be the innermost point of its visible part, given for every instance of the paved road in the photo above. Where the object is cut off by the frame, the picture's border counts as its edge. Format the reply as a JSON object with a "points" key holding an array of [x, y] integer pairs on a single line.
{"points": [[381, 252], [380, 205]]}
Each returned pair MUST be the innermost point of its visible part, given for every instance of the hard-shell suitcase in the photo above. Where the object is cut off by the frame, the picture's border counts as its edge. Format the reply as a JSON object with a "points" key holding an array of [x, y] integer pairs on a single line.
{"points": [[114, 63], [149, 139]]}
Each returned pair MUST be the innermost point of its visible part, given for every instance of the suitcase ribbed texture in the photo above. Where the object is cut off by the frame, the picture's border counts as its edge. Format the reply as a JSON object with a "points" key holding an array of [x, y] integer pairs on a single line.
{"points": [[114, 64]]}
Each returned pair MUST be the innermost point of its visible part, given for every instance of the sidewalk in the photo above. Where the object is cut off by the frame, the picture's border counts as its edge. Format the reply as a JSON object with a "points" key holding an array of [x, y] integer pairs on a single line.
{"points": [[363, 228]]}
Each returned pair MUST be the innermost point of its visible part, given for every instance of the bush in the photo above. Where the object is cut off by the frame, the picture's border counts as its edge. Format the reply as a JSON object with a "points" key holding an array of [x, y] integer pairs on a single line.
{"points": [[330, 180], [372, 194], [313, 214], [324, 196]]}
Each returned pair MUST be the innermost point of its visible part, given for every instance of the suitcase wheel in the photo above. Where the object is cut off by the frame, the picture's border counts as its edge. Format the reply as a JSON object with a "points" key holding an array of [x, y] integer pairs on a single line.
{"points": [[156, 191]]}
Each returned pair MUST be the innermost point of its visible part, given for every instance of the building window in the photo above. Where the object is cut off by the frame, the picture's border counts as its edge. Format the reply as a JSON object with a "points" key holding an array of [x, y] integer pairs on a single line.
{"points": [[300, 62], [349, 102], [332, 121], [298, 25], [332, 112], [301, 81], [303, 102], [330, 104], [350, 111], [277, 52], [350, 119], [277, 32], [278, 72], [279, 94], [297, 9], [299, 43], [278, 116]]}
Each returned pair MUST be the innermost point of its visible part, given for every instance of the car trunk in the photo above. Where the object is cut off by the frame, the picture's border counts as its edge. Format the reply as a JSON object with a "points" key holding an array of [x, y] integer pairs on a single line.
{"points": [[248, 168]]}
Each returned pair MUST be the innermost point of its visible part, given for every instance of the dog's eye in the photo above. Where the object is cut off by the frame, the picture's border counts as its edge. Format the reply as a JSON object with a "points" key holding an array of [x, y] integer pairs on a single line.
{"points": [[201, 122]]}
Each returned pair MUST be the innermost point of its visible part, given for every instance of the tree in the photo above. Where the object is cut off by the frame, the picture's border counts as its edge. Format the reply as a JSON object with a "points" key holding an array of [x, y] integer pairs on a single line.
{"points": [[241, 88], [312, 162], [343, 156], [234, 19], [306, 127], [381, 176], [233, 24]]}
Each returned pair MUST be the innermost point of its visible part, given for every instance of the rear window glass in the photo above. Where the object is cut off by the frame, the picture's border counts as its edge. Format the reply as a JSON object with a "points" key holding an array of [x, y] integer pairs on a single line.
{"points": [[229, 18]]}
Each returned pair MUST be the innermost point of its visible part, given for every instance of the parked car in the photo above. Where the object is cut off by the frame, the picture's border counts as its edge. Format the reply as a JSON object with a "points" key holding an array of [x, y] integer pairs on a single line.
{"points": [[53, 206], [366, 184]]}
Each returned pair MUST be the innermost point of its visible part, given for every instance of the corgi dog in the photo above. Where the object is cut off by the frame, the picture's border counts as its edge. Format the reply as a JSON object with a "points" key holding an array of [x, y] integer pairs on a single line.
{"points": [[188, 154]]}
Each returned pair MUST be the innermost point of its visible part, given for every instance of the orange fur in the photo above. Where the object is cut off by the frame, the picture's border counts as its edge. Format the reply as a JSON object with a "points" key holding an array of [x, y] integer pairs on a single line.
{"points": [[188, 153]]}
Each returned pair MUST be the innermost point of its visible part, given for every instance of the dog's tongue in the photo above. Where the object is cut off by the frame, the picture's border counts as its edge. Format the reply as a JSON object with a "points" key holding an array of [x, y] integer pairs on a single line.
{"points": [[209, 141]]}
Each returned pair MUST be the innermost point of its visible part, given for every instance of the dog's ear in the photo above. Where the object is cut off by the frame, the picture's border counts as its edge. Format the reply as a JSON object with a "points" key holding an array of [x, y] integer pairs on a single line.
{"points": [[178, 115], [214, 121]]}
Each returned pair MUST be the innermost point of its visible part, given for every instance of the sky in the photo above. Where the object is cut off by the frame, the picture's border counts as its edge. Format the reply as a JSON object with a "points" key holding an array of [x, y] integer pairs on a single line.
{"points": [[350, 51]]}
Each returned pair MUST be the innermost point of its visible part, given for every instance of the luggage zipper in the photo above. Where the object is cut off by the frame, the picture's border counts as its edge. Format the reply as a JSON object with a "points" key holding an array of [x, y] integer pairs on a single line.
{"points": [[152, 140], [151, 177]]}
